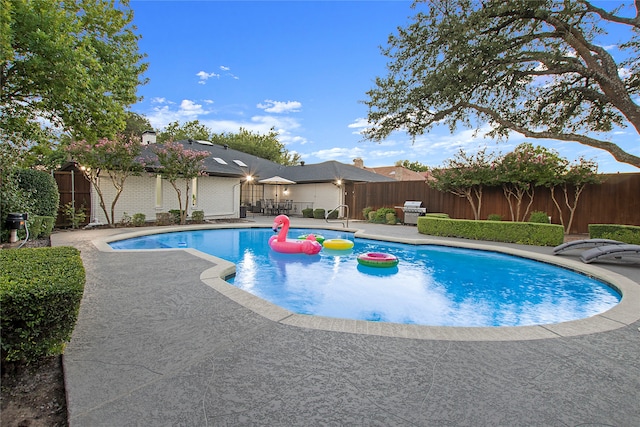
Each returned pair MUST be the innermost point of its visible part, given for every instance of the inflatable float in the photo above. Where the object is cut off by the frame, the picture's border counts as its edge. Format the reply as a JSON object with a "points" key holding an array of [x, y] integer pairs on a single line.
{"points": [[338, 244], [377, 259], [319, 237], [280, 243]]}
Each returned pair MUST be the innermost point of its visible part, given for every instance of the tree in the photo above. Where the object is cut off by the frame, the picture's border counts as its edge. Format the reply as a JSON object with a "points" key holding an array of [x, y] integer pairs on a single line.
{"points": [[532, 67], [189, 130], [73, 65], [263, 146], [520, 171], [117, 158], [176, 162], [466, 175], [136, 124], [414, 166], [572, 179]]}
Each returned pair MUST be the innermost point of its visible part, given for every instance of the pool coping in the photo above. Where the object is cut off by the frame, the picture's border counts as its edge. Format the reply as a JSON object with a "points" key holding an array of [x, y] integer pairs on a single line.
{"points": [[624, 313]]}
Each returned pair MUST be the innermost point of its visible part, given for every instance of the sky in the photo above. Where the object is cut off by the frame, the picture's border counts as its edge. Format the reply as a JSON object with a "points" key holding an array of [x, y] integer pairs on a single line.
{"points": [[302, 68]]}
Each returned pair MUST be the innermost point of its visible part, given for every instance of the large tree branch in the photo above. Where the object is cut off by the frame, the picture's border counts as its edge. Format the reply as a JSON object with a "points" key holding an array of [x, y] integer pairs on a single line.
{"points": [[618, 153], [635, 21]]}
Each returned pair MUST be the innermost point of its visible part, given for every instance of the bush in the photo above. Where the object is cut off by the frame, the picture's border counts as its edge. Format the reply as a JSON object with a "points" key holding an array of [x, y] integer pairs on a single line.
{"points": [[39, 226], [624, 233], [74, 216], [175, 215], [436, 215], [40, 293], [380, 216], [138, 219], [365, 212], [197, 217], [494, 217], [318, 213], [43, 190], [333, 214], [539, 217], [307, 213], [526, 233], [163, 218], [391, 218]]}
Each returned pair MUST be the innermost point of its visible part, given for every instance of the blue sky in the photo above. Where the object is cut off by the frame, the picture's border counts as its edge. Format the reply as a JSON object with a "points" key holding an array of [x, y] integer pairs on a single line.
{"points": [[303, 68]]}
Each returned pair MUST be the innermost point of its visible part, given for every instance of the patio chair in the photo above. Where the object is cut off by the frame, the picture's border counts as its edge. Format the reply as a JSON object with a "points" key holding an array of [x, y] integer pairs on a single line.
{"points": [[586, 243], [608, 252]]}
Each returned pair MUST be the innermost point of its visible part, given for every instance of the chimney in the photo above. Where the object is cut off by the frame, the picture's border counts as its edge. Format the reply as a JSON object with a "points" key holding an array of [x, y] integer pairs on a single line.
{"points": [[358, 162], [148, 137]]}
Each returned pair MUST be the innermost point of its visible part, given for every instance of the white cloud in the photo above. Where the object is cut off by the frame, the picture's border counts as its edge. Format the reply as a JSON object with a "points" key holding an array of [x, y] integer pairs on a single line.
{"points": [[162, 115], [204, 76], [223, 68], [270, 106]]}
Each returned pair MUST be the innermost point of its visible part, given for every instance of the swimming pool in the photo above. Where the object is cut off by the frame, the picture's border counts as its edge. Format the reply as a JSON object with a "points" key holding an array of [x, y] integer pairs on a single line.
{"points": [[432, 285]]}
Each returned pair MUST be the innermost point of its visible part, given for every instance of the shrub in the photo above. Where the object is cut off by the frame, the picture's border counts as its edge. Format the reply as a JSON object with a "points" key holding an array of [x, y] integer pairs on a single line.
{"points": [[371, 216], [43, 190], [365, 212], [624, 233], [526, 233], [34, 224], [380, 216], [539, 217], [75, 216], [40, 293], [318, 213], [163, 218], [307, 213], [138, 219], [436, 215], [333, 214], [197, 217], [494, 217], [175, 215], [391, 218]]}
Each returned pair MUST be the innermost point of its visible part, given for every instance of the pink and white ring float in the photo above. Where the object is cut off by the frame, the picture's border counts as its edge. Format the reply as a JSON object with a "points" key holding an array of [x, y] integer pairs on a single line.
{"points": [[280, 243]]}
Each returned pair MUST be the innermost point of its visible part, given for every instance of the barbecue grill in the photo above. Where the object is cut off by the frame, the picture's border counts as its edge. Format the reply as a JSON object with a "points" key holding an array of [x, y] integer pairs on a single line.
{"points": [[412, 210]]}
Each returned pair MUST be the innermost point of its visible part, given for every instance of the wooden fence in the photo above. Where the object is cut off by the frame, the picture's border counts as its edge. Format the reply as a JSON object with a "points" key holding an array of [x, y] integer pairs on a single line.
{"points": [[615, 201], [73, 186]]}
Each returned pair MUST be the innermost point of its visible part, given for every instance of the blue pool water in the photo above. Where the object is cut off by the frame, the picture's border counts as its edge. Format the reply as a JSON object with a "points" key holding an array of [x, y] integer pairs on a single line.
{"points": [[432, 285]]}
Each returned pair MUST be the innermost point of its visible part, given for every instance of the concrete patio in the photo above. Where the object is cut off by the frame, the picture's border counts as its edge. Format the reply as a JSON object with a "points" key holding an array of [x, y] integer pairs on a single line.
{"points": [[159, 343]]}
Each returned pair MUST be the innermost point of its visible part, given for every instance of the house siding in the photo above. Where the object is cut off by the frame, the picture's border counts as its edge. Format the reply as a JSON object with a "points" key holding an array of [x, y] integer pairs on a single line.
{"points": [[216, 197]]}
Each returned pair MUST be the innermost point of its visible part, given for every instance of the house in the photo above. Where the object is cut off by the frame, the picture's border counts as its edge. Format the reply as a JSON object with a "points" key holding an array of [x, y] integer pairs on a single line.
{"points": [[398, 173], [231, 180]]}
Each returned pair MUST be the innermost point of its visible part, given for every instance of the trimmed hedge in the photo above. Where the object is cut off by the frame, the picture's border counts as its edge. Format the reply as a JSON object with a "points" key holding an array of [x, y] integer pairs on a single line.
{"points": [[40, 293], [39, 226], [318, 213], [625, 233], [307, 213], [43, 190], [526, 233]]}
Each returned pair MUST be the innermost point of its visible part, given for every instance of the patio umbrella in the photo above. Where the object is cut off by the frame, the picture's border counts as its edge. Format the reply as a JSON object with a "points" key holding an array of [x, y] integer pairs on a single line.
{"points": [[276, 180]]}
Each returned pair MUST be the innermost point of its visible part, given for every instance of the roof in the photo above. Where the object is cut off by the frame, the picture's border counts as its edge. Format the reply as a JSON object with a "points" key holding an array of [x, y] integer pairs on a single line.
{"points": [[225, 161], [398, 173]]}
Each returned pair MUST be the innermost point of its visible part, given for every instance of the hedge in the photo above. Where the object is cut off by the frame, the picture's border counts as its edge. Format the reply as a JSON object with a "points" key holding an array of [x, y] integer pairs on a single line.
{"points": [[40, 293], [526, 233], [624, 233]]}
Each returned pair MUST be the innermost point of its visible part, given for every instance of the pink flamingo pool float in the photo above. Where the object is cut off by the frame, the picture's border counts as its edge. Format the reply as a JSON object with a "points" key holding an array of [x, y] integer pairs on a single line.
{"points": [[280, 243]]}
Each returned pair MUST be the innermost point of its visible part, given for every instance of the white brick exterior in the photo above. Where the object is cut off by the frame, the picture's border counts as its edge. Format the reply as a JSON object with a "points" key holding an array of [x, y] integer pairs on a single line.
{"points": [[217, 197]]}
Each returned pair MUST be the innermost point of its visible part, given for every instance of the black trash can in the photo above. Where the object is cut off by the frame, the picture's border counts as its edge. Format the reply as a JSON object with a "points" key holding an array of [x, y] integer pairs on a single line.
{"points": [[243, 211]]}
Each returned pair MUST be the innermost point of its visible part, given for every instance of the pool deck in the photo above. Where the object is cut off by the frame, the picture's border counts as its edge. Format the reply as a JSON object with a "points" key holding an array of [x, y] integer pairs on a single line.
{"points": [[162, 340]]}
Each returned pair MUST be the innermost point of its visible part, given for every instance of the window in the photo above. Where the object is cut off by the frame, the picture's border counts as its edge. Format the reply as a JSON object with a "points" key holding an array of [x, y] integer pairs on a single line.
{"points": [[240, 163], [219, 160]]}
